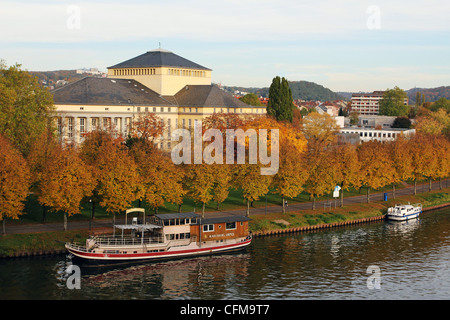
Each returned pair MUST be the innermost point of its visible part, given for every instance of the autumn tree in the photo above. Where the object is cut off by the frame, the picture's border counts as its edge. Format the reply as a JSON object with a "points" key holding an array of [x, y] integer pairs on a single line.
{"points": [[118, 182], [26, 108], [320, 130], [199, 180], [14, 181], [349, 167], [248, 178], [401, 160], [376, 165], [65, 181], [323, 173], [161, 179], [424, 160], [222, 175], [147, 126], [43, 150], [292, 173]]}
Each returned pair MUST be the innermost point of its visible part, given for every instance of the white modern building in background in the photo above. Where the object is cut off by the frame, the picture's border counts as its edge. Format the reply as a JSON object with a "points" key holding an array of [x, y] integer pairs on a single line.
{"points": [[368, 103]]}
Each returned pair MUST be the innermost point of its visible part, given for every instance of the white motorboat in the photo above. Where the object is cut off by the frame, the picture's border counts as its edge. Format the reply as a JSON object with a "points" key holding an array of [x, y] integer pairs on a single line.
{"points": [[402, 212]]}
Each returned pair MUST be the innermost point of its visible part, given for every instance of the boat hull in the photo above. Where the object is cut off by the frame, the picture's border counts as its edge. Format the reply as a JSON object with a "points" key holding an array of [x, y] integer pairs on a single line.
{"points": [[88, 259], [406, 217]]}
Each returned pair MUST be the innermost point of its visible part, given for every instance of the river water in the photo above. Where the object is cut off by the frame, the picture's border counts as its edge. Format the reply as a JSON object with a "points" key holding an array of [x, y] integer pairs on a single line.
{"points": [[381, 260]]}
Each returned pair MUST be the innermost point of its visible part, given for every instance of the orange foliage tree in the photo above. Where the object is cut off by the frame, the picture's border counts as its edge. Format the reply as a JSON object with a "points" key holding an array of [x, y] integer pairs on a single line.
{"points": [[66, 180], [161, 179], [400, 153], [348, 168], [118, 182], [14, 181], [377, 169]]}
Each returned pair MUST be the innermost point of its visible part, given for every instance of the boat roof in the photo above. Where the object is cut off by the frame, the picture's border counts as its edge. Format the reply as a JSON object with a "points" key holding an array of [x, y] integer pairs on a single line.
{"points": [[222, 219], [179, 215]]}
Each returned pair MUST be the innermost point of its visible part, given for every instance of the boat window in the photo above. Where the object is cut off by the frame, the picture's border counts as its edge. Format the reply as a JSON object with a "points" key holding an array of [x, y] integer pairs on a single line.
{"points": [[208, 227], [230, 225]]}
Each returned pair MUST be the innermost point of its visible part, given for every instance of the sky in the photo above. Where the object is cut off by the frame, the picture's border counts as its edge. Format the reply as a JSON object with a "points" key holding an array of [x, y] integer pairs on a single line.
{"points": [[344, 45]]}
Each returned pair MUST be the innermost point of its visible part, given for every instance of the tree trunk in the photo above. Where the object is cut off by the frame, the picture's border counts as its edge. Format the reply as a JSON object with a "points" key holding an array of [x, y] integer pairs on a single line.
{"points": [[342, 197], [4, 226], [65, 221], [248, 208], [44, 213], [415, 186], [218, 203], [203, 210], [179, 208], [393, 190], [440, 183], [313, 202], [429, 188], [368, 194], [284, 206]]}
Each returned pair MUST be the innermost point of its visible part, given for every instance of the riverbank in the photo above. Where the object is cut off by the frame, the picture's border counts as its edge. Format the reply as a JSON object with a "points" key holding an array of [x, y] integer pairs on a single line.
{"points": [[308, 220], [52, 242]]}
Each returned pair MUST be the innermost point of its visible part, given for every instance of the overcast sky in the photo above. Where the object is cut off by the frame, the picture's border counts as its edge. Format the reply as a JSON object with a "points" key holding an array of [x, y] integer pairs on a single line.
{"points": [[348, 45]]}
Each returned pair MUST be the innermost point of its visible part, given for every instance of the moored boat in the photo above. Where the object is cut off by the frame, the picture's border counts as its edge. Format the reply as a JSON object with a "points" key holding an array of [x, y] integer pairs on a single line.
{"points": [[165, 236], [402, 212]]}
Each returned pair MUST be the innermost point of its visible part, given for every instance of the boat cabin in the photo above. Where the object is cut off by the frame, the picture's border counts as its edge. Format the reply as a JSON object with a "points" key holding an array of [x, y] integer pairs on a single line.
{"points": [[220, 228]]}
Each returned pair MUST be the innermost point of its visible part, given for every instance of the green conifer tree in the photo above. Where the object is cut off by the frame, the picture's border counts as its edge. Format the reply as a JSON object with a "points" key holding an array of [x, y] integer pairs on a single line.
{"points": [[280, 104]]}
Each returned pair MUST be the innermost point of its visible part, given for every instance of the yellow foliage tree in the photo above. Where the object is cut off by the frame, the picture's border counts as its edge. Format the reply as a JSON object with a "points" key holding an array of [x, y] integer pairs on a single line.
{"points": [[14, 181]]}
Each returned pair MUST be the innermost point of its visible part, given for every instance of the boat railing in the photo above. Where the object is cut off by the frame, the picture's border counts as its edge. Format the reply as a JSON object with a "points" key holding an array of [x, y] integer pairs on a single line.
{"points": [[126, 241], [76, 246]]}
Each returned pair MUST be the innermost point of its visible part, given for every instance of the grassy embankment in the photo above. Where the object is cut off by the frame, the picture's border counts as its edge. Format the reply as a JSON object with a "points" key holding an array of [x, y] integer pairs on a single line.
{"points": [[347, 213], [47, 242]]}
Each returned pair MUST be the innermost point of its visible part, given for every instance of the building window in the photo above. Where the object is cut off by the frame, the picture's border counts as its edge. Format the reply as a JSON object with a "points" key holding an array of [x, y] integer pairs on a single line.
{"points": [[162, 109], [168, 127], [154, 109], [70, 127], [82, 126], [59, 125], [190, 123], [184, 123]]}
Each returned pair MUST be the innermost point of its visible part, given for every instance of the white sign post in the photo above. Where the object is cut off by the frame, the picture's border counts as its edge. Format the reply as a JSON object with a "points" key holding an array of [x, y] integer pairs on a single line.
{"points": [[336, 194]]}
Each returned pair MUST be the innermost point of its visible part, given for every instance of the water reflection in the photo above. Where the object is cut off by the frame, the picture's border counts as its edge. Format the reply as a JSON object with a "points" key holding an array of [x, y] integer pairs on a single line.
{"points": [[179, 279]]}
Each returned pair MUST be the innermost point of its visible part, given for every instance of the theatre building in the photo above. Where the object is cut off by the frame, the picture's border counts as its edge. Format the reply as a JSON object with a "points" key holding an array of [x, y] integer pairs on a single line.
{"points": [[176, 89]]}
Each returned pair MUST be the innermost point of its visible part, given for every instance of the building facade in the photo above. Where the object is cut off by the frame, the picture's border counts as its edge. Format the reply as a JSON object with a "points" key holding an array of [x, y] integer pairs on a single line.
{"points": [[368, 134], [368, 103], [177, 90]]}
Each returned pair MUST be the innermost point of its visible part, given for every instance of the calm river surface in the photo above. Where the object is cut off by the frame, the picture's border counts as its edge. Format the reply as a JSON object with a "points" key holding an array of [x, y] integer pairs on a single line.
{"points": [[397, 260]]}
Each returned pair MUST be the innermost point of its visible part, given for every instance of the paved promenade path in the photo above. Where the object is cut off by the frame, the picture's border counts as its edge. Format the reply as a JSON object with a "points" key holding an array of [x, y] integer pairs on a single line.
{"points": [[107, 223]]}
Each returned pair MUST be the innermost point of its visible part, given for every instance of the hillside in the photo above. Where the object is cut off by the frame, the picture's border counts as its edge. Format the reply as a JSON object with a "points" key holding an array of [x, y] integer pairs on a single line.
{"points": [[53, 79], [304, 90], [431, 94]]}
